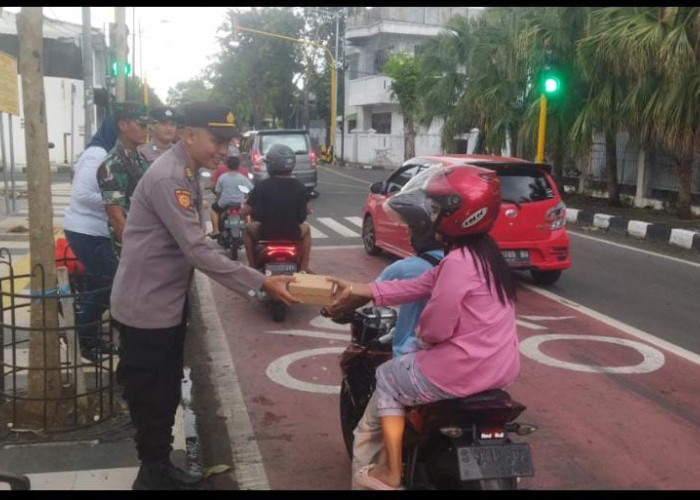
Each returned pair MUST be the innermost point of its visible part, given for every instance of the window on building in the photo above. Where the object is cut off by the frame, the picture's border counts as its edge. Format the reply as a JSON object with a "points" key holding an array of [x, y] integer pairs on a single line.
{"points": [[381, 122], [380, 58], [352, 125], [354, 66], [417, 50]]}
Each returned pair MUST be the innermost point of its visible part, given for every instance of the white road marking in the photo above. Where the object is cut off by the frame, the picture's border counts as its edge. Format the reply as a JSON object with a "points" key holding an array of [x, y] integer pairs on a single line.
{"points": [[316, 234], [277, 371], [337, 227], [630, 330], [338, 247], [528, 325], [312, 334], [355, 220], [546, 318], [97, 479], [248, 464], [653, 358], [323, 322], [674, 259]]}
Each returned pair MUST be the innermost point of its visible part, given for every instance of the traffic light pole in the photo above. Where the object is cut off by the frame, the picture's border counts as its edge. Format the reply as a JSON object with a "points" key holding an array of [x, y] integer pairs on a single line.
{"points": [[542, 128]]}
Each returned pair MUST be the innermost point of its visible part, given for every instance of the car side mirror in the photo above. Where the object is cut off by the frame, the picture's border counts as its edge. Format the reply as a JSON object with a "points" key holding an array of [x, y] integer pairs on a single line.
{"points": [[377, 188]]}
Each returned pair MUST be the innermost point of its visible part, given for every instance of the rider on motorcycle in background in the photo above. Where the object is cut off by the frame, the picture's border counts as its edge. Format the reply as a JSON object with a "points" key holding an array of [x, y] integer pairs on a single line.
{"points": [[226, 189], [468, 325], [278, 206], [368, 442]]}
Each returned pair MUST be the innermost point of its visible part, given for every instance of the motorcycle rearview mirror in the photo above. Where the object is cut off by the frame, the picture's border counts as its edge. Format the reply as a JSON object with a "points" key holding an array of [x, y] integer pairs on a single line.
{"points": [[205, 173]]}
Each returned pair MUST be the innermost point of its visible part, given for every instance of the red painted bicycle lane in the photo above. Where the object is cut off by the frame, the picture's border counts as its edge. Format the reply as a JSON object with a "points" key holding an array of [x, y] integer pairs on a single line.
{"points": [[596, 430], [605, 430]]}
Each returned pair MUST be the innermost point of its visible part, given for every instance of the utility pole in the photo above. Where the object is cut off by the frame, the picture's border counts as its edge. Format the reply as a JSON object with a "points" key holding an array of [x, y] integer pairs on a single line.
{"points": [[337, 30], [88, 93], [121, 52]]}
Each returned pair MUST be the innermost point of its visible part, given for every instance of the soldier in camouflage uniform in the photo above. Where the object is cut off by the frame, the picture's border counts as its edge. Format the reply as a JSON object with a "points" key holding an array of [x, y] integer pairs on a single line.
{"points": [[122, 169], [162, 130]]}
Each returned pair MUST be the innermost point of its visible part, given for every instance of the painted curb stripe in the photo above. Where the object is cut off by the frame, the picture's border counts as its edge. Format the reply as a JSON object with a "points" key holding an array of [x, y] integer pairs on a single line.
{"points": [[682, 238], [601, 220], [638, 228]]}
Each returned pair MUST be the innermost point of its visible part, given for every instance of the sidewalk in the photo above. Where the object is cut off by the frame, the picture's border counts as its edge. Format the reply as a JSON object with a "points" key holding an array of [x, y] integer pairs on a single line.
{"points": [[102, 456]]}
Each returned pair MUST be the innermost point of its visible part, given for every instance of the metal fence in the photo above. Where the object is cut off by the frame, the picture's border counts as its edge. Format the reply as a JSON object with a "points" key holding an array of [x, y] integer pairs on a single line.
{"points": [[660, 166]]}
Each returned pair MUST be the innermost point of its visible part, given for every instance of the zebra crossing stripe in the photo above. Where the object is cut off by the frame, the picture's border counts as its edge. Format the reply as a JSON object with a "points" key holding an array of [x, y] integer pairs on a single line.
{"points": [[354, 220], [337, 227], [316, 234]]}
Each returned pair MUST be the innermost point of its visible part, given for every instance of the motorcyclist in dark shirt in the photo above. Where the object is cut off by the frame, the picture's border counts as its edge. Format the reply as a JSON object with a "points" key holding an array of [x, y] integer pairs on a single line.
{"points": [[278, 206]]}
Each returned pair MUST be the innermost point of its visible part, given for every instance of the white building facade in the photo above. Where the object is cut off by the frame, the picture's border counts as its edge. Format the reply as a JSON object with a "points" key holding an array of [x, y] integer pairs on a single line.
{"points": [[373, 121], [63, 88]]}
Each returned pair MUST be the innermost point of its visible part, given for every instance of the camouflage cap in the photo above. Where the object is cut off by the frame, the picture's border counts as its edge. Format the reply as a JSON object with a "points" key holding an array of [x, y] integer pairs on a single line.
{"points": [[130, 110], [162, 113], [219, 120]]}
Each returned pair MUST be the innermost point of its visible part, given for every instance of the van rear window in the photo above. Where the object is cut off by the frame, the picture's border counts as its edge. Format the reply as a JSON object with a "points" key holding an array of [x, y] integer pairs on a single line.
{"points": [[297, 142]]}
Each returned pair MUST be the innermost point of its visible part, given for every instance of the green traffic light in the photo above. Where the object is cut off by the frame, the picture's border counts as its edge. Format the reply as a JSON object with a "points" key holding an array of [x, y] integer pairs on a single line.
{"points": [[551, 85]]}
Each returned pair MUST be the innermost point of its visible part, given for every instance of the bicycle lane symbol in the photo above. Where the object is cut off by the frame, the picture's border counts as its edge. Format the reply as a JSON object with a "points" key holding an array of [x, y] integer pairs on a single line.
{"points": [[652, 358], [278, 370]]}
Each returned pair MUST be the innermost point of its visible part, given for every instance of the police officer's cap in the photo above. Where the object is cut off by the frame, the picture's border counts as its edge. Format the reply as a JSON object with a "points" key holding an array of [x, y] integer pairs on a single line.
{"points": [[219, 120], [130, 110], [162, 114]]}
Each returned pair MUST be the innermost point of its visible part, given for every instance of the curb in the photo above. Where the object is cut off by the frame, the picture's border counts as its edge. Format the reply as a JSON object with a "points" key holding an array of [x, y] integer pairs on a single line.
{"points": [[637, 229]]}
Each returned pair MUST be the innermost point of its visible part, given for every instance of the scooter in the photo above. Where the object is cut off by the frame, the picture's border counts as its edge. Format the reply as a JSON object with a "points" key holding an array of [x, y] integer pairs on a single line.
{"points": [[458, 444], [275, 258], [231, 227]]}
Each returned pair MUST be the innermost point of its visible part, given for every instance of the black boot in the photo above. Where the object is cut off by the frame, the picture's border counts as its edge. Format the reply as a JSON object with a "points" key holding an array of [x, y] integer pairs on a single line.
{"points": [[164, 475]]}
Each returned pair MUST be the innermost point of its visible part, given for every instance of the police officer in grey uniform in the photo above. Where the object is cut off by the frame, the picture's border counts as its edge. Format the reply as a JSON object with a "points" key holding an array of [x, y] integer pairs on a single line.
{"points": [[164, 240], [162, 130]]}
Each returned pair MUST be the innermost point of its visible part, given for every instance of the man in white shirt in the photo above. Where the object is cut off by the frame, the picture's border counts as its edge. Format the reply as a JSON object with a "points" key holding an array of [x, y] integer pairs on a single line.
{"points": [[85, 227]]}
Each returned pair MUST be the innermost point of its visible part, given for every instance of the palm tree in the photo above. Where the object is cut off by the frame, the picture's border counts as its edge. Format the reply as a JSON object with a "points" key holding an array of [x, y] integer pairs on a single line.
{"points": [[658, 48], [548, 37], [603, 108], [473, 76]]}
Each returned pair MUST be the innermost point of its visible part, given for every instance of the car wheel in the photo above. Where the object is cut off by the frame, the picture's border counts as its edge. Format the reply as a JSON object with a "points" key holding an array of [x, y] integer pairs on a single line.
{"points": [[369, 237], [545, 277]]}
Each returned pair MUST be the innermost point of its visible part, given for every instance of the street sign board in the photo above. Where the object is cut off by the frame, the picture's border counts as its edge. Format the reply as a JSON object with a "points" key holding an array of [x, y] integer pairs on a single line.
{"points": [[9, 93]]}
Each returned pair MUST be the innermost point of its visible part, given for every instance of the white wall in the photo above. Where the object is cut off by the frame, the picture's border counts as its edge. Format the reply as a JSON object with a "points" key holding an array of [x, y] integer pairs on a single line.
{"points": [[58, 121]]}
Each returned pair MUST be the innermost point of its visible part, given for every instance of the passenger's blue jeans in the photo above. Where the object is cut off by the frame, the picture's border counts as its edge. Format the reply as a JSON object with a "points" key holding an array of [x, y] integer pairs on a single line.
{"points": [[96, 255]]}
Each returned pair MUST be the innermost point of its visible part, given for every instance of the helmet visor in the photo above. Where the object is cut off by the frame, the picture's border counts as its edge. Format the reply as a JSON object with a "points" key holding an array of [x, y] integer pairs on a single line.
{"points": [[410, 205]]}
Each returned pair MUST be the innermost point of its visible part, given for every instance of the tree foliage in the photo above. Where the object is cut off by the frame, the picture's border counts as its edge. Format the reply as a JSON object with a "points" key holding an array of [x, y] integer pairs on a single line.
{"points": [[404, 72]]}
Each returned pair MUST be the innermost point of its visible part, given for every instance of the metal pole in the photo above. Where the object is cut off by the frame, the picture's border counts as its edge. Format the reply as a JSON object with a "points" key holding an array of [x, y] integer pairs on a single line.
{"points": [[72, 124], [4, 163], [87, 76], [542, 129], [120, 88], [12, 167], [342, 118], [337, 29]]}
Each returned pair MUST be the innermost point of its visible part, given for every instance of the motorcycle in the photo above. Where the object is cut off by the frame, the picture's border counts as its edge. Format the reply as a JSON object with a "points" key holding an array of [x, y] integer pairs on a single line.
{"points": [[458, 444], [231, 227], [276, 258]]}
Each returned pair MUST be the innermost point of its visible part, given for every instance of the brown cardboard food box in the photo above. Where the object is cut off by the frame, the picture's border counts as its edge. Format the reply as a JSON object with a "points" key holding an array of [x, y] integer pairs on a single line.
{"points": [[313, 289]]}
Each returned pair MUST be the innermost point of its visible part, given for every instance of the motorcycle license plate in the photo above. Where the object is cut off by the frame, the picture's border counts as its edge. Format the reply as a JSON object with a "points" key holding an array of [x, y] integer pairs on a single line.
{"points": [[516, 257], [275, 268], [494, 461], [231, 223]]}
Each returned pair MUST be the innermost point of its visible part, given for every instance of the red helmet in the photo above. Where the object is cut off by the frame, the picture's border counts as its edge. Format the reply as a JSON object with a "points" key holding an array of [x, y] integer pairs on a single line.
{"points": [[465, 200]]}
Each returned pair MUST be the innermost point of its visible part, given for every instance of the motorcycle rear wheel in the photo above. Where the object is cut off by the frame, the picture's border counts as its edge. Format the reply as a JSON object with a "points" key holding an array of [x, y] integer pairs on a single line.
{"points": [[234, 252]]}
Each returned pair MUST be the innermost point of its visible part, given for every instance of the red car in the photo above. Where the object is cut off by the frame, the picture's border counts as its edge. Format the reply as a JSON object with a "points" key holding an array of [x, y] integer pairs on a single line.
{"points": [[530, 229]]}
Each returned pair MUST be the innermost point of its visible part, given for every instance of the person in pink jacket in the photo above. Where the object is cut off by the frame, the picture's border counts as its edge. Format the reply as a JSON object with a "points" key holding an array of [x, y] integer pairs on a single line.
{"points": [[467, 328]]}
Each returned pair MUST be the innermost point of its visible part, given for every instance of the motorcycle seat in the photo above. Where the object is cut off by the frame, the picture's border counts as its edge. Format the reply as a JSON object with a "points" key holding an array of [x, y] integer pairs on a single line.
{"points": [[493, 406]]}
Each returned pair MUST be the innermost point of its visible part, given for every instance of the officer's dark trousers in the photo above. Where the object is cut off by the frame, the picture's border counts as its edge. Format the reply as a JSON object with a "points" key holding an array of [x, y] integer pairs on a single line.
{"points": [[150, 370]]}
